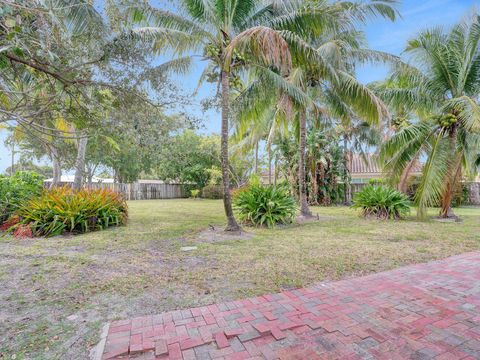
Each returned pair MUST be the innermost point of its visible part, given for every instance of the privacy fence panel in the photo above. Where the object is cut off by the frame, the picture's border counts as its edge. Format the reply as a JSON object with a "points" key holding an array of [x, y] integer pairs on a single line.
{"points": [[473, 189], [141, 191]]}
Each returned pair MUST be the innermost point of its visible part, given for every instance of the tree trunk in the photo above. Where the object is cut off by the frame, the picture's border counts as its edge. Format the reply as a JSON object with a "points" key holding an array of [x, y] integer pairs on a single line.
{"points": [[275, 171], [232, 224], [403, 184], [269, 166], [302, 186], [453, 175], [256, 158], [314, 182], [347, 186], [80, 162], [57, 170], [12, 168], [89, 174], [446, 210]]}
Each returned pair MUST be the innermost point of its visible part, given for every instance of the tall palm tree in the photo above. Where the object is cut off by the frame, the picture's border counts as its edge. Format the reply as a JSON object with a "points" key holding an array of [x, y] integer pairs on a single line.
{"points": [[443, 89]]}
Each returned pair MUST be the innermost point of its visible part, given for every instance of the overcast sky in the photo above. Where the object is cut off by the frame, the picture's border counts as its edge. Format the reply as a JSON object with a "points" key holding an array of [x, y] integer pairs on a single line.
{"points": [[381, 35]]}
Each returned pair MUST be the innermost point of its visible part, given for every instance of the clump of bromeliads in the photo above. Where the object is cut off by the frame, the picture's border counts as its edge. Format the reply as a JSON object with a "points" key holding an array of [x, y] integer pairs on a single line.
{"points": [[60, 210], [381, 202], [264, 205]]}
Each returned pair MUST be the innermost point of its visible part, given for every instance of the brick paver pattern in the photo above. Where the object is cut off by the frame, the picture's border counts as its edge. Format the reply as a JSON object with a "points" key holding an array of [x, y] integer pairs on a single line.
{"points": [[424, 311]]}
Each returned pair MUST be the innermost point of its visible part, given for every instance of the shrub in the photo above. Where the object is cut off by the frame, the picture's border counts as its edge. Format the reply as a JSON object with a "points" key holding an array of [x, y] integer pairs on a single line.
{"points": [[194, 193], [212, 192], [16, 190], [377, 182], [381, 202], [265, 205], [61, 210]]}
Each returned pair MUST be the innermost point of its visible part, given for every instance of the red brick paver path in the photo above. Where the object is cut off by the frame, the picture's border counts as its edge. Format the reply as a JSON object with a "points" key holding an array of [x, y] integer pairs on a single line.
{"points": [[422, 311]]}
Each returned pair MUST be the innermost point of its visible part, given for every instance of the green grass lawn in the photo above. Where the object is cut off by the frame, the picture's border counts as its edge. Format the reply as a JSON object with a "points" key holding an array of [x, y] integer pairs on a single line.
{"points": [[57, 292]]}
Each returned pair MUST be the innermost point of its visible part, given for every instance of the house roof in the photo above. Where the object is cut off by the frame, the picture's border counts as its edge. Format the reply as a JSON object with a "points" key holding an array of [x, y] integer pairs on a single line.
{"points": [[368, 164], [364, 164]]}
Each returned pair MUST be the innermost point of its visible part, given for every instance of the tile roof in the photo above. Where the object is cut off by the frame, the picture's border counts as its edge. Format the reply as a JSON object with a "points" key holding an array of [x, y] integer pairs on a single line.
{"points": [[368, 164]]}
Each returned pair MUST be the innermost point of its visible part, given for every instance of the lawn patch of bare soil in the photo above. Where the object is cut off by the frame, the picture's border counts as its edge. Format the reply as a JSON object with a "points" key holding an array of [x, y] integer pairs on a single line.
{"points": [[215, 233], [302, 219]]}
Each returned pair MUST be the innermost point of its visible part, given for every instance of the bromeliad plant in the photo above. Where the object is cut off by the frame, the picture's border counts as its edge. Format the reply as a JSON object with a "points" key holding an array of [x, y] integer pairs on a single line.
{"points": [[62, 210], [265, 205], [381, 202]]}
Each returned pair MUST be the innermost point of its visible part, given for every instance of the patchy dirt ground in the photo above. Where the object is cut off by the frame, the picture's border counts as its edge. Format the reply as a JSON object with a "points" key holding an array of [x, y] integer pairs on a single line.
{"points": [[56, 293]]}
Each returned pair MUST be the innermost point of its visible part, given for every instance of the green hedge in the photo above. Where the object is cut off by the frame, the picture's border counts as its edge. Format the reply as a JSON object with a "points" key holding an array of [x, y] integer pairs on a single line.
{"points": [[16, 190]]}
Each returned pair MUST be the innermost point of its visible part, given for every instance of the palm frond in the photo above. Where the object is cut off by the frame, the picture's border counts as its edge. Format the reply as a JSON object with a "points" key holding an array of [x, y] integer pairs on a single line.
{"points": [[361, 98], [264, 43], [272, 79], [77, 17], [403, 147], [148, 16], [160, 40], [367, 10], [468, 112], [432, 183], [180, 65]]}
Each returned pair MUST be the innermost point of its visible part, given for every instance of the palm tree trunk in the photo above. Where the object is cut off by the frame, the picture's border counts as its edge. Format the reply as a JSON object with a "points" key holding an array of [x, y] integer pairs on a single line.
{"points": [[256, 158], [80, 162], [403, 184], [453, 176], [347, 159], [313, 181], [446, 210], [269, 166], [275, 170], [232, 224], [302, 186]]}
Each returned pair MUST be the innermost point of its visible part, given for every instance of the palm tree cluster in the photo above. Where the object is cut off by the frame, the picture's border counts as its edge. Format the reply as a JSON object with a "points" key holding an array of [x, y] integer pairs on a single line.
{"points": [[294, 52]]}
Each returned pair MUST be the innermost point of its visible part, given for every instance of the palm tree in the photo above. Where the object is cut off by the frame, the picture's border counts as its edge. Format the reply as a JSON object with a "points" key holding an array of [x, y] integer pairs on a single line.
{"points": [[233, 35], [443, 91]]}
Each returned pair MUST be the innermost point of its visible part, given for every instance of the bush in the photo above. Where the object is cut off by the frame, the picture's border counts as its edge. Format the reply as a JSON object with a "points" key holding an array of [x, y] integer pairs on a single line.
{"points": [[16, 190], [194, 193], [381, 202], [61, 210], [212, 192], [377, 182], [265, 205]]}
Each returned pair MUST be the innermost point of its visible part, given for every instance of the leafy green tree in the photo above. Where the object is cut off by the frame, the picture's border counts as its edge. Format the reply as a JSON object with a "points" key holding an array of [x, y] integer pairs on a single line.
{"points": [[27, 165], [442, 90], [60, 71], [188, 158]]}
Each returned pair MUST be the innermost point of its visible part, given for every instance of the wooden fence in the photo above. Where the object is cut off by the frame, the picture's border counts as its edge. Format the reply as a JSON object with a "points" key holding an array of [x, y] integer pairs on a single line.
{"points": [[141, 191], [473, 189]]}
